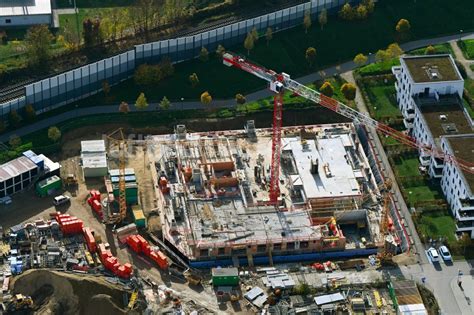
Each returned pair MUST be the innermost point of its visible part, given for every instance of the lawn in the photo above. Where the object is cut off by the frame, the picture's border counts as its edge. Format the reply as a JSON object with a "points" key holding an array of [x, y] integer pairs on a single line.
{"points": [[407, 166], [93, 3], [423, 193], [383, 98], [437, 224], [467, 47], [469, 86], [440, 49]]}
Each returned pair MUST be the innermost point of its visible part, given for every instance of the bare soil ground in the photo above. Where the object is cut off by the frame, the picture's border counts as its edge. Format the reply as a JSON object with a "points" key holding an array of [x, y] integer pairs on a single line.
{"points": [[60, 293]]}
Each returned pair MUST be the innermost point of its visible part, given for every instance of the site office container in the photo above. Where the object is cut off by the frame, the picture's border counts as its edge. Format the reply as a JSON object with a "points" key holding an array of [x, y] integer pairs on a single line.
{"points": [[138, 216], [134, 243], [90, 240], [95, 194], [225, 276], [96, 205], [160, 259], [48, 186]]}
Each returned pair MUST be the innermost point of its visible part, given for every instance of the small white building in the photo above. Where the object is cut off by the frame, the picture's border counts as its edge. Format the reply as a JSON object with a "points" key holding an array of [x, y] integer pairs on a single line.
{"points": [[434, 118], [94, 158], [457, 184], [425, 76], [16, 13]]}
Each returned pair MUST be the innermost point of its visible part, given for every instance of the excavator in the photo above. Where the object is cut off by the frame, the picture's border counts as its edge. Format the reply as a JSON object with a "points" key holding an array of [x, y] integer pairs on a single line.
{"points": [[19, 302]]}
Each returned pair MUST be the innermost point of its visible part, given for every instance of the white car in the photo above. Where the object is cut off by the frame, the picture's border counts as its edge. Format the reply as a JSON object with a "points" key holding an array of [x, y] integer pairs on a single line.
{"points": [[61, 199], [444, 253], [433, 254]]}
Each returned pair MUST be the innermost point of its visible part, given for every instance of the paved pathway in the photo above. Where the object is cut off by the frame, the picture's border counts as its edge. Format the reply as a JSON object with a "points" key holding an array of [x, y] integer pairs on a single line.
{"points": [[344, 67], [460, 57]]}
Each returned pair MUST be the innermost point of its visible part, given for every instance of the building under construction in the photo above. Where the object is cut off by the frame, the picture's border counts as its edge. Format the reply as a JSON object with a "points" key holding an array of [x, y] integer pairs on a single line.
{"points": [[213, 192]]}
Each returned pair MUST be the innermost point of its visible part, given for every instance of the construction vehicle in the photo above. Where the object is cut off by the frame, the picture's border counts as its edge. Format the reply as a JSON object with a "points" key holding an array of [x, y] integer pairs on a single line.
{"points": [[70, 180], [281, 82], [384, 255], [133, 300], [20, 302], [192, 278], [114, 219]]}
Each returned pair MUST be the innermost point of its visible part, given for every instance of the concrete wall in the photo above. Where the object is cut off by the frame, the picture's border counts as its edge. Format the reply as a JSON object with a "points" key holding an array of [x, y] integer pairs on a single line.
{"points": [[76, 84], [25, 20]]}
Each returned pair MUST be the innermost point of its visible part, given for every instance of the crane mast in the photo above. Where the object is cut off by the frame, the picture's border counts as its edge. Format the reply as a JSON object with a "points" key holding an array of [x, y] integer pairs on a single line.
{"points": [[278, 83]]}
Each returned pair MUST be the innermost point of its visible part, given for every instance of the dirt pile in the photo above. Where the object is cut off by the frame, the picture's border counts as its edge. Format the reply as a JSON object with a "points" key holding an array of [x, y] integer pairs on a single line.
{"points": [[59, 293]]}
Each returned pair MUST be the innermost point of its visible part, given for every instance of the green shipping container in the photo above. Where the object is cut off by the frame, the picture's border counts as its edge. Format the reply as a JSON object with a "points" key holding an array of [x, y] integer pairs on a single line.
{"points": [[225, 276], [139, 217], [48, 186]]}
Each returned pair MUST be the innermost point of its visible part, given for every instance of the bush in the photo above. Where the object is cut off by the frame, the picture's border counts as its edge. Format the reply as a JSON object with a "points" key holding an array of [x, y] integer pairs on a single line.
{"points": [[461, 69]]}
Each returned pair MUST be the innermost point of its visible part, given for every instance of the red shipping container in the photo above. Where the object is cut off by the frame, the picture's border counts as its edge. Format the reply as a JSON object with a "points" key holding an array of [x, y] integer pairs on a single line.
{"points": [[143, 242], [147, 250], [128, 267], [162, 260], [115, 267], [89, 201], [95, 194]]}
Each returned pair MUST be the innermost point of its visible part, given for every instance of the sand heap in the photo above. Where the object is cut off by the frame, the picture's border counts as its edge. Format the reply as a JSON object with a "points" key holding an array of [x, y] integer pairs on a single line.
{"points": [[61, 293]]}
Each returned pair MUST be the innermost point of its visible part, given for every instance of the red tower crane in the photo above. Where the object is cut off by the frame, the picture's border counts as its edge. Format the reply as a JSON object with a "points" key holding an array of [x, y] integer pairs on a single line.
{"points": [[280, 82]]}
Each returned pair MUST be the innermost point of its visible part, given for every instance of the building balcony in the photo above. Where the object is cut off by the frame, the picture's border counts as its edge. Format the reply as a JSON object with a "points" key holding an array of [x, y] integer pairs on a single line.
{"points": [[425, 160], [436, 172], [438, 163], [465, 216], [397, 71], [466, 204], [409, 114], [408, 122], [463, 226]]}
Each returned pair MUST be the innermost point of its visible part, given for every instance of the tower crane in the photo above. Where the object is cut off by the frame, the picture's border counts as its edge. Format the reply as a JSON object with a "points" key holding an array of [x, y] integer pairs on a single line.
{"points": [[122, 186], [281, 82]]}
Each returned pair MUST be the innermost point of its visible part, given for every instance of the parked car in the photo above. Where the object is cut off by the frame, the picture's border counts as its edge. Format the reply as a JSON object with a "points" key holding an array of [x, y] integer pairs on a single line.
{"points": [[433, 254], [6, 200], [444, 253], [61, 199]]}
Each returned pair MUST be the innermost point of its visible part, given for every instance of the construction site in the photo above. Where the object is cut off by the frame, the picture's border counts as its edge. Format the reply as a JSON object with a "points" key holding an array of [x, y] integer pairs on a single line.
{"points": [[215, 206]]}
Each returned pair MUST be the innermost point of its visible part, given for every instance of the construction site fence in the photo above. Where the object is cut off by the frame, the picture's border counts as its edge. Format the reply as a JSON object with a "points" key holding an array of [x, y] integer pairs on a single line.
{"points": [[76, 84], [281, 259], [377, 169]]}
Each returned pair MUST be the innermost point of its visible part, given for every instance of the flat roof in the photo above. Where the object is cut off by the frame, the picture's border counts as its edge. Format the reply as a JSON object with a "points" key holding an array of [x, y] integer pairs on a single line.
{"points": [[93, 146], [462, 147], [331, 152], [444, 117], [16, 167], [407, 293], [94, 160], [24, 7], [435, 68], [232, 272]]}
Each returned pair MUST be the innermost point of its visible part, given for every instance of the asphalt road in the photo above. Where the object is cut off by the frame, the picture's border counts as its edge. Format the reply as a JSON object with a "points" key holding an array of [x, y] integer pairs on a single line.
{"points": [[94, 110]]}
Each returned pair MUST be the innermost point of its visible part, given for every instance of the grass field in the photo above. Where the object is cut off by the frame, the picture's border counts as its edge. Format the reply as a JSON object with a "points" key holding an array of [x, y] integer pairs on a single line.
{"points": [[423, 193], [467, 47], [407, 166], [384, 100], [440, 49], [437, 224], [93, 3]]}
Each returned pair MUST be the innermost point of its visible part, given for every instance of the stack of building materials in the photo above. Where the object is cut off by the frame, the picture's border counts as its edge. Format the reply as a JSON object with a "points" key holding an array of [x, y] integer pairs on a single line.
{"points": [[125, 231], [225, 276], [90, 240], [276, 279], [94, 203], [48, 186], [112, 264], [69, 224], [256, 296], [141, 246]]}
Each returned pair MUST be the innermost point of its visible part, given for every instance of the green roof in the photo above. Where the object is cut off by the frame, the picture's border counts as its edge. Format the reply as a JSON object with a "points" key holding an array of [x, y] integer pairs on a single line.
{"points": [[462, 147], [434, 68]]}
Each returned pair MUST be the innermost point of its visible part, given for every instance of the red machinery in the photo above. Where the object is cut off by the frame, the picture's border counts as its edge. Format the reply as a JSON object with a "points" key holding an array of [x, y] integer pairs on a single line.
{"points": [[282, 82]]}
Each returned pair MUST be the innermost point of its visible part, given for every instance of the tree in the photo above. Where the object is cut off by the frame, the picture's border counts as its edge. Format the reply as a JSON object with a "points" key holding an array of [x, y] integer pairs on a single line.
{"points": [[30, 113], [349, 90], [361, 12], [165, 103], [370, 5], [323, 18], [307, 21], [54, 134], [240, 99], [430, 50], [91, 34], [204, 54], [346, 12], [394, 51], [220, 50], [141, 102], [311, 55], [206, 98], [327, 89], [194, 80], [403, 26], [465, 241], [2, 126], [144, 13], [382, 56], [14, 141], [123, 107], [360, 59], [14, 118], [254, 33], [269, 35], [37, 43], [106, 87], [249, 43]]}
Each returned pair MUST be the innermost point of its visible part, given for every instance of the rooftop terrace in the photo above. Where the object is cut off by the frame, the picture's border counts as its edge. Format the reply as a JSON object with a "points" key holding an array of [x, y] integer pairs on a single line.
{"points": [[434, 68], [444, 117]]}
